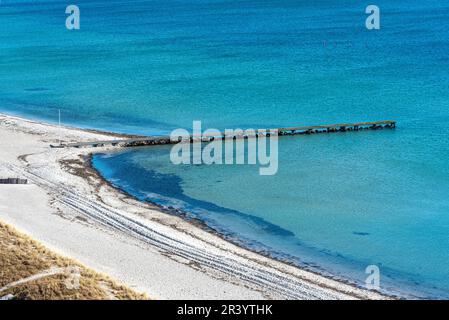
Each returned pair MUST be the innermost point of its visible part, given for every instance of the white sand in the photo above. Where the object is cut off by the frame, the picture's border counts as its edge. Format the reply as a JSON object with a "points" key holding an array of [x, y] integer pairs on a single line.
{"points": [[148, 250]]}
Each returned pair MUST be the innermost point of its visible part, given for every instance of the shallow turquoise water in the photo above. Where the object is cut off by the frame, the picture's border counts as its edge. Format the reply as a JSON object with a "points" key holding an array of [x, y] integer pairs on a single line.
{"points": [[339, 202]]}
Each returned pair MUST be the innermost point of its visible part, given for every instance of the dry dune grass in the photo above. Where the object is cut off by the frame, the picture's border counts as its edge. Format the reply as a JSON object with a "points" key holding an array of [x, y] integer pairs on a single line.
{"points": [[22, 257]]}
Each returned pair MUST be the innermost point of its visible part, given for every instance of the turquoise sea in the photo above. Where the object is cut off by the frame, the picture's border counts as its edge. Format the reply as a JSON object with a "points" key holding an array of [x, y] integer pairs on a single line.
{"points": [[339, 202]]}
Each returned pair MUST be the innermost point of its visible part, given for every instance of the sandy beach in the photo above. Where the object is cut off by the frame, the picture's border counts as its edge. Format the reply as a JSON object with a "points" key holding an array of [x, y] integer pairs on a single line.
{"points": [[70, 209]]}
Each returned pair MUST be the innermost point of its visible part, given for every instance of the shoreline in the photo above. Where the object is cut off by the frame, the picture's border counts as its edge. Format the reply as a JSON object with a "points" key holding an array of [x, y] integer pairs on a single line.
{"points": [[302, 283], [233, 238], [225, 237]]}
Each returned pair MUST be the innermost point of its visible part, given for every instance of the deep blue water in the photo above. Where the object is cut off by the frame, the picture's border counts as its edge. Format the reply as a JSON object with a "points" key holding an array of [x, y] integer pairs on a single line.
{"points": [[339, 202]]}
